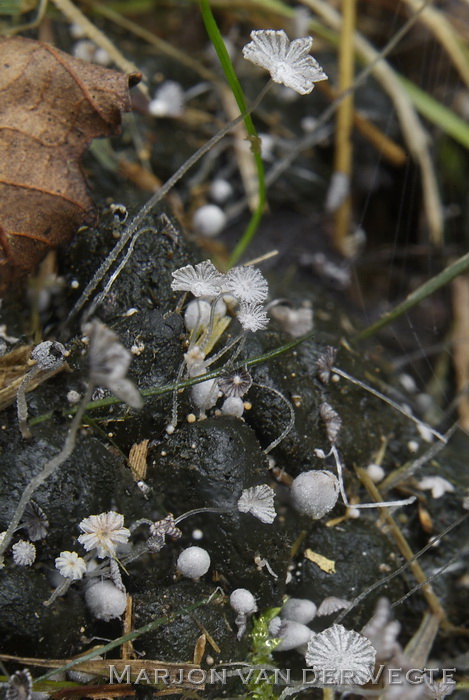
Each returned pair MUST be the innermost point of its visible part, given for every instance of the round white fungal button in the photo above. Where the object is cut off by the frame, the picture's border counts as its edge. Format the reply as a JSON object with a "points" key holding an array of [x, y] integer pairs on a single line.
{"points": [[243, 601], [105, 600], [197, 314], [375, 472], [233, 406], [299, 610], [291, 634], [220, 190], [209, 220], [193, 562], [315, 493]]}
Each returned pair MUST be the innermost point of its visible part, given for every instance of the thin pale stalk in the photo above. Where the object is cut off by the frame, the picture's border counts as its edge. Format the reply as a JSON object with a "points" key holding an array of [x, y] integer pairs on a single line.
{"points": [[219, 46], [389, 401], [131, 229], [47, 471]]}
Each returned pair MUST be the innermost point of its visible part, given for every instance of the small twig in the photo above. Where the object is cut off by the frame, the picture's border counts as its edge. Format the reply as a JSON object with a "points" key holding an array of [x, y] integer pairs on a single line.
{"points": [[381, 582], [404, 548], [74, 14]]}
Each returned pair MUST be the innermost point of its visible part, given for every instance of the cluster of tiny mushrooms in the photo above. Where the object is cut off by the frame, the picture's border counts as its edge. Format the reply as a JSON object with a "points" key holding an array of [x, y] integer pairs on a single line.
{"points": [[240, 293]]}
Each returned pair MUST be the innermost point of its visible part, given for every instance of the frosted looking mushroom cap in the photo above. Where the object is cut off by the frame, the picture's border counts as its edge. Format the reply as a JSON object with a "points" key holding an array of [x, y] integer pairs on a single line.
{"points": [[193, 562], [315, 493], [291, 634], [288, 63], [342, 651], [105, 600], [243, 601], [299, 610]]}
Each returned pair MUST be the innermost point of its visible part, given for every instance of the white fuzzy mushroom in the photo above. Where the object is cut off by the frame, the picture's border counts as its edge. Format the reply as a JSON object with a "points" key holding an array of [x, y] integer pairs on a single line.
{"points": [[220, 190], [299, 610], [244, 604], [209, 220], [105, 600], [243, 601], [315, 493], [233, 406], [291, 634], [193, 562]]}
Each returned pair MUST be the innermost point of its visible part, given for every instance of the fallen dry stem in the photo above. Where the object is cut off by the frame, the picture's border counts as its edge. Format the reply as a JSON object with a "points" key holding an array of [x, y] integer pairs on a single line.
{"points": [[389, 150], [242, 150], [436, 22], [344, 123], [73, 14], [162, 46], [412, 129], [404, 548]]}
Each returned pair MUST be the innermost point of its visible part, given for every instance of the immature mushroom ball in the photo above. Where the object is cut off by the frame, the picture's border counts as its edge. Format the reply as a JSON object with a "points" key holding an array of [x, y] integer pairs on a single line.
{"points": [[298, 610], [209, 220], [193, 562], [315, 493], [105, 600], [243, 601], [244, 604], [291, 634]]}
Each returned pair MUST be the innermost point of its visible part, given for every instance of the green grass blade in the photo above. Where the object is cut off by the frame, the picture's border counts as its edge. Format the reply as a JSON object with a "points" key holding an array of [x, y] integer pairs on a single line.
{"points": [[149, 627], [449, 273], [437, 113], [219, 46]]}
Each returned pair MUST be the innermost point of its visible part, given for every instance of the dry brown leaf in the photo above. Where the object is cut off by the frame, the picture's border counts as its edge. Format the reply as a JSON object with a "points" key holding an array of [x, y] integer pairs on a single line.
{"points": [[51, 106]]}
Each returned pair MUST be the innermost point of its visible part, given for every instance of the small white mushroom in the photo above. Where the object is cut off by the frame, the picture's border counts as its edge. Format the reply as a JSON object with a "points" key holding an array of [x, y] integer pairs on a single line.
{"points": [[197, 314], [205, 394], [376, 473], [209, 220], [315, 493], [299, 610], [243, 602], [331, 605], [233, 406], [220, 190], [193, 562], [291, 634], [105, 600]]}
